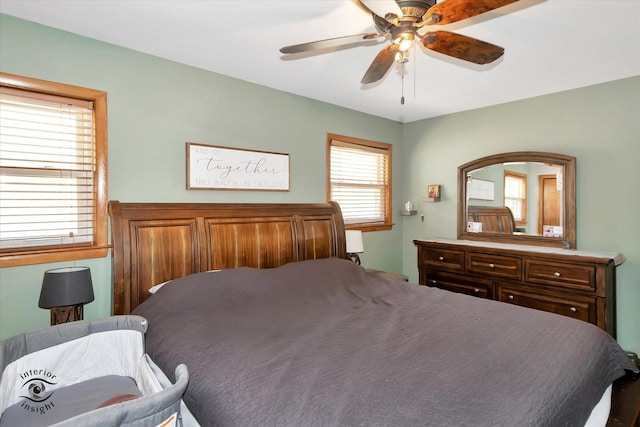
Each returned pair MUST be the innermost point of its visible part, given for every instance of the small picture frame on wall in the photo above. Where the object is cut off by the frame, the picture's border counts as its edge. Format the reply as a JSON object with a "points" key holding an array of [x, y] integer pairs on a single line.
{"points": [[433, 193]]}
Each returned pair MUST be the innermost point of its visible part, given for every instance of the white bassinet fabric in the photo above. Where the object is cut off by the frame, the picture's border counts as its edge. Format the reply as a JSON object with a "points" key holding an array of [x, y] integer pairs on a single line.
{"points": [[72, 353], [117, 352]]}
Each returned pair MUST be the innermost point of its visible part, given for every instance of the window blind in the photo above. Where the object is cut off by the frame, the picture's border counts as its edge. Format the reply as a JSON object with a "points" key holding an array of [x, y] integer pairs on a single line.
{"points": [[515, 196], [359, 182], [47, 165]]}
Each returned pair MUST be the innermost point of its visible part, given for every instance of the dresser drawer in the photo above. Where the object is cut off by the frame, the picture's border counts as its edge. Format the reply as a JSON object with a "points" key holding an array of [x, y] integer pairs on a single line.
{"points": [[570, 283], [565, 275], [442, 258], [477, 287], [494, 265], [575, 306]]}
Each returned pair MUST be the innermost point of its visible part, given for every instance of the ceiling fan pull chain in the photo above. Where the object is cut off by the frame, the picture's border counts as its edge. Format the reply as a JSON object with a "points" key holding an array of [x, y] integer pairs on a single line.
{"points": [[414, 72], [402, 97]]}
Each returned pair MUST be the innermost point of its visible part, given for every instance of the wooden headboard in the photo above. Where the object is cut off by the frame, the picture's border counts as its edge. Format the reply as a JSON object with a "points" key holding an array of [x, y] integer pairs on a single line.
{"points": [[494, 219], [156, 242]]}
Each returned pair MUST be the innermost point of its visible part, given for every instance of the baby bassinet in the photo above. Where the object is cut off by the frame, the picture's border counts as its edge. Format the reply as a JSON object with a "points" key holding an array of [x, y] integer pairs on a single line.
{"points": [[88, 373]]}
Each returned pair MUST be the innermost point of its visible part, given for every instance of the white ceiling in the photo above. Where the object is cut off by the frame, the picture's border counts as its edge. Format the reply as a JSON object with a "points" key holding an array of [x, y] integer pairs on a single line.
{"points": [[550, 46]]}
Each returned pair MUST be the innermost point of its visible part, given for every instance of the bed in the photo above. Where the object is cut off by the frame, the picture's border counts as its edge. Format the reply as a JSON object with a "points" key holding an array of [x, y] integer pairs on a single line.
{"points": [[278, 327]]}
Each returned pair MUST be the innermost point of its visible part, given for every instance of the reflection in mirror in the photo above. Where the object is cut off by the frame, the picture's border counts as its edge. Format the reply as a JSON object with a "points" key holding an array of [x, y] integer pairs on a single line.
{"points": [[532, 191], [521, 197]]}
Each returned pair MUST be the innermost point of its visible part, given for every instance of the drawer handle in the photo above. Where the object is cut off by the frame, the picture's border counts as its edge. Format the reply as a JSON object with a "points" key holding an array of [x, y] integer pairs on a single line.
{"points": [[573, 310], [492, 266], [556, 274], [476, 290], [511, 297], [433, 282], [440, 258]]}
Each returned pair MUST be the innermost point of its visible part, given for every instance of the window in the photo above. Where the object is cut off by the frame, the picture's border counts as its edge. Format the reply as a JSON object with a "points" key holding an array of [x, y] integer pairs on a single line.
{"points": [[515, 196], [359, 179], [53, 170]]}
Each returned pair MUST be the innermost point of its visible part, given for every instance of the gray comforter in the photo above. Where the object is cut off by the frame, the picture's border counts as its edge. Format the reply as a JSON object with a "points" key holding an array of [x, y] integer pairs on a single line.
{"points": [[323, 343]]}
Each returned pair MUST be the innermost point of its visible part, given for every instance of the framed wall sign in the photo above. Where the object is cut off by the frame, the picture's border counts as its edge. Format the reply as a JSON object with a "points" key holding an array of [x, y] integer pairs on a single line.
{"points": [[211, 167]]}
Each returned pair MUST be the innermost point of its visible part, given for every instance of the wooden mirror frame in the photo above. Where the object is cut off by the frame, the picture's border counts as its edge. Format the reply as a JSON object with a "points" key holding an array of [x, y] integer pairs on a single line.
{"points": [[569, 192]]}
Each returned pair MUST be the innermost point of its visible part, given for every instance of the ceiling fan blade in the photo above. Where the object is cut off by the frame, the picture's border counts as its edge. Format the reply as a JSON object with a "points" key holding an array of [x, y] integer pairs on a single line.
{"points": [[462, 47], [381, 64], [450, 11], [329, 43], [387, 9]]}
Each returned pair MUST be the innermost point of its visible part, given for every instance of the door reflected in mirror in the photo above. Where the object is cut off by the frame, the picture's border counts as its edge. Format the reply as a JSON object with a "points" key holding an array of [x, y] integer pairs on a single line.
{"points": [[520, 197]]}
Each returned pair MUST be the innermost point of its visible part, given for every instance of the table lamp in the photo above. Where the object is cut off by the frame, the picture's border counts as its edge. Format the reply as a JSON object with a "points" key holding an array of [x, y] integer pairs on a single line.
{"points": [[354, 245], [65, 291]]}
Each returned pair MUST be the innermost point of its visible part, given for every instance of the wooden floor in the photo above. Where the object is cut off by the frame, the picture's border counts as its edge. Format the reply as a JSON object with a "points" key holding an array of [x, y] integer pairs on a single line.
{"points": [[625, 403]]}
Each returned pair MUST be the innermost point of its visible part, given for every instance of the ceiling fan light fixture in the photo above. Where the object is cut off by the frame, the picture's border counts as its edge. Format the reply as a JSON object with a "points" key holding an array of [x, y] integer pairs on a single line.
{"points": [[401, 57], [405, 44], [404, 40]]}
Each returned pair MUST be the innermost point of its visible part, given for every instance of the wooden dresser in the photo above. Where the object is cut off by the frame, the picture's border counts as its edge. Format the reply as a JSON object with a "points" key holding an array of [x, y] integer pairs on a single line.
{"points": [[578, 284]]}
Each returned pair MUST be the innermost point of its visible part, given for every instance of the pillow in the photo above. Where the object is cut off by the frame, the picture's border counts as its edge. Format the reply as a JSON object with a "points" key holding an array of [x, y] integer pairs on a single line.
{"points": [[154, 289]]}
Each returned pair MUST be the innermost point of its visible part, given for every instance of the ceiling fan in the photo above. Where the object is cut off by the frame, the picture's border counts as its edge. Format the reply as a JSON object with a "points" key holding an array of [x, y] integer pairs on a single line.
{"points": [[409, 20]]}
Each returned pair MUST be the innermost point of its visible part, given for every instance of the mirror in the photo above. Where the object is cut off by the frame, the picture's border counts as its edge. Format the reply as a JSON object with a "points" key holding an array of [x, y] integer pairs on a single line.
{"points": [[525, 197]]}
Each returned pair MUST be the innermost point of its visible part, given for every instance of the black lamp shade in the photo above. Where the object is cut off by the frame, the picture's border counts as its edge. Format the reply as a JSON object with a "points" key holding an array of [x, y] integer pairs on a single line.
{"points": [[66, 286]]}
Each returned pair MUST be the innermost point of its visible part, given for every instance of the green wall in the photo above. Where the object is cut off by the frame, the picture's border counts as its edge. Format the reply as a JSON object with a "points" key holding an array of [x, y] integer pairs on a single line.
{"points": [[598, 125], [155, 106]]}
